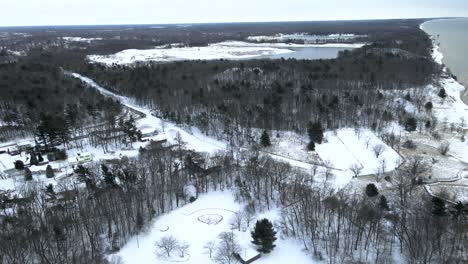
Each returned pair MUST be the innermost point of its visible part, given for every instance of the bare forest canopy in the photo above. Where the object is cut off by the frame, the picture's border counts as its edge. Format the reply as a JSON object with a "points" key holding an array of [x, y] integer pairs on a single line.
{"points": [[113, 201], [32, 91], [223, 97]]}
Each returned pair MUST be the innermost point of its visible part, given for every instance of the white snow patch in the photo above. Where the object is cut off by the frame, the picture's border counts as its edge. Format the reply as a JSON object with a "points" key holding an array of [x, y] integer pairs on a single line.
{"points": [[183, 224], [80, 39], [345, 148], [231, 50]]}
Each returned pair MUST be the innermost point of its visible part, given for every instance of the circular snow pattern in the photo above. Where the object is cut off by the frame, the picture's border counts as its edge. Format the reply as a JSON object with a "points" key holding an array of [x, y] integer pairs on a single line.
{"points": [[210, 219]]}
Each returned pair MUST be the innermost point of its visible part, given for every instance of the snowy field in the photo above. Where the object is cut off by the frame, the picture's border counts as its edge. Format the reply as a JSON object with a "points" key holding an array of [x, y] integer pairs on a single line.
{"points": [[80, 39], [346, 147], [231, 50], [189, 224]]}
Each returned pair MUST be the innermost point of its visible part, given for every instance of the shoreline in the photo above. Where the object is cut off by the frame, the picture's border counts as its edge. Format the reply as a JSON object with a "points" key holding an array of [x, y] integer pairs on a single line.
{"points": [[438, 57]]}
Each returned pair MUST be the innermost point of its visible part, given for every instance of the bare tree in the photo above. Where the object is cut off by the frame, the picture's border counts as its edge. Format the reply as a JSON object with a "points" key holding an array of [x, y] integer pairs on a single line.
{"points": [[356, 169], [367, 140], [227, 248], [166, 245], [183, 248], [378, 150], [210, 247], [237, 221], [444, 148]]}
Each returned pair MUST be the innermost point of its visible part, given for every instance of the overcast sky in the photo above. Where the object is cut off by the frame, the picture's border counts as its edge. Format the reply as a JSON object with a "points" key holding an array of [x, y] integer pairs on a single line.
{"points": [[91, 12]]}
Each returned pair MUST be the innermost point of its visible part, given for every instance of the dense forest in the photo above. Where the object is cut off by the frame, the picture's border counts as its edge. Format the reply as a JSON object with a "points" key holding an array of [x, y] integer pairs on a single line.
{"points": [[227, 98], [81, 222], [32, 92]]}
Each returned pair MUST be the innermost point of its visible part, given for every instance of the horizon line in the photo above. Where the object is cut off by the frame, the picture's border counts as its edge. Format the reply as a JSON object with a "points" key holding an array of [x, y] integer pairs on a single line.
{"points": [[225, 22]]}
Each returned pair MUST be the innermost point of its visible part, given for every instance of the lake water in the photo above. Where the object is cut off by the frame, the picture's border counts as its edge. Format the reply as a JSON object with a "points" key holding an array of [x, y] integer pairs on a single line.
{"points": [[452, 36]]}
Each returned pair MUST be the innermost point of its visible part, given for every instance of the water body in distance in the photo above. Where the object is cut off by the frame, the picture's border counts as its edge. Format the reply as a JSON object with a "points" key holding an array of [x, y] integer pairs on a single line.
{"points": [[452, 37]]}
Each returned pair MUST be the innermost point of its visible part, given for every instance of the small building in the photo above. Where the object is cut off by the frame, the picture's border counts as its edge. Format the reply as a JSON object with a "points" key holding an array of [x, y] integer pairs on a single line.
{"points": [[13, 151], [24, 146], [148, 132], [84, 157]]}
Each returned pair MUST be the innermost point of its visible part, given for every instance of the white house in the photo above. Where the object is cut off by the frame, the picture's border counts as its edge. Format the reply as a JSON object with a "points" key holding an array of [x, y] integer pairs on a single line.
{"points": [[84, 157]]}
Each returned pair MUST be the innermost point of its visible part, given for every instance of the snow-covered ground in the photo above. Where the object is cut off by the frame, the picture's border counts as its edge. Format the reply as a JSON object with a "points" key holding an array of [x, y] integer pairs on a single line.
{"points": [[188, 224], [231, 50], [80, 39], [194, 138], [212, 52], [342, 148], [346, 147], [305, 37]]}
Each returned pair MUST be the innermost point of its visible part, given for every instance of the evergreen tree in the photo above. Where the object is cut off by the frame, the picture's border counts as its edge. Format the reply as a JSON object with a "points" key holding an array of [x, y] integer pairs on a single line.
{"points": [[264, 236], [49, 172], [438, 207], [50, 190], [130, 129], [311, 146], [459, 209], [428, 106], [33, 159], [109, 178], [442, 93], [19, 165], [383, 203], [371, 190], [39, 157], [411, 124], [265, 139], [27, 174], [315, 132]]}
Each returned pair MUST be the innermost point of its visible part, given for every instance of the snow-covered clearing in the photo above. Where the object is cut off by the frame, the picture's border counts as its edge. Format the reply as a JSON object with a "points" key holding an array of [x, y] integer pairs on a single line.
{"points": [[185, 225], [346, 147], [211, 52], [80, 39], [231, 50]]}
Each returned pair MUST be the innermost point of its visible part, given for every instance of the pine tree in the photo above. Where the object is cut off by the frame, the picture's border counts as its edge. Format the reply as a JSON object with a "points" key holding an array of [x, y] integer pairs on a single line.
{"points": [[33, 160], [40, 158], [442, 93], [19, 165], [130, 130], [49, 172], [383, 203], [311, 146], [371, 190], [459, 209], [315, 132], [27, 174], [109, 178], [411, 124], [264, 236], [50, 190], [265, 139], [438, 207]]}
